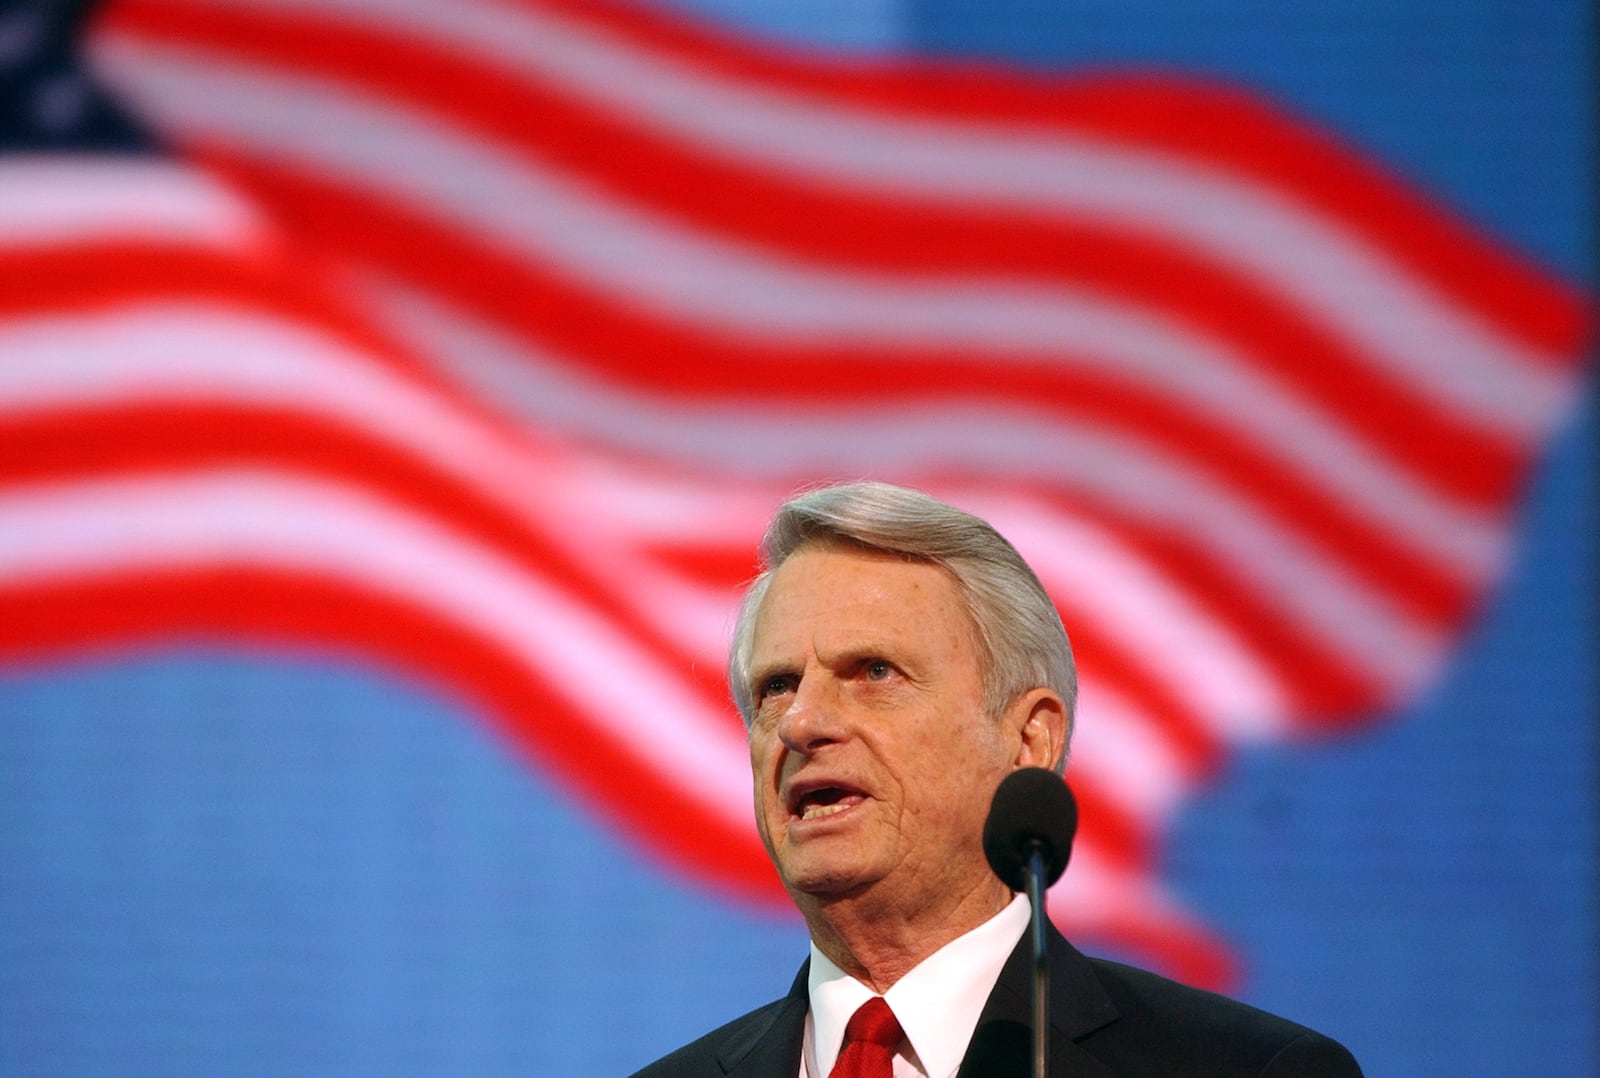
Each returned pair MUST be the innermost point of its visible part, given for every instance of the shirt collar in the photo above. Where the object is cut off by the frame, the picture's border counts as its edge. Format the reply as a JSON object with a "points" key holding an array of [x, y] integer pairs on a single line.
{"points": [[938, 1002]]}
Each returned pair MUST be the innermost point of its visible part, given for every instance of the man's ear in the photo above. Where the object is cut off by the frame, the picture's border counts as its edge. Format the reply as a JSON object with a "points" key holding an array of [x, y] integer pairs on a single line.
{"points": [[1040, 718]]}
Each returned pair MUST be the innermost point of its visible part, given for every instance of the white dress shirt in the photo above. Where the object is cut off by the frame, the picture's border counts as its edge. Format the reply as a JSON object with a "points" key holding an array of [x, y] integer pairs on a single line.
{"points": [[937, 1002]]}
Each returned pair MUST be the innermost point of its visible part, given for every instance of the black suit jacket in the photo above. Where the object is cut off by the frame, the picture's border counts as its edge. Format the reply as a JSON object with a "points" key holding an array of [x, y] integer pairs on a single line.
{"points": [[1106, 1019]]}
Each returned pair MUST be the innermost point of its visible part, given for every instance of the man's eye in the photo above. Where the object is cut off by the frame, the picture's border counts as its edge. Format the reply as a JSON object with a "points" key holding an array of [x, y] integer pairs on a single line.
{"points": [[877, 670], [775, 686]]}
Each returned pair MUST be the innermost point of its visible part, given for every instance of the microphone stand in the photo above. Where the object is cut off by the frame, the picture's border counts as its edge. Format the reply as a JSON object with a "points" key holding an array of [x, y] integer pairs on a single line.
{"points": [[1041, 971], [1027, 838]]}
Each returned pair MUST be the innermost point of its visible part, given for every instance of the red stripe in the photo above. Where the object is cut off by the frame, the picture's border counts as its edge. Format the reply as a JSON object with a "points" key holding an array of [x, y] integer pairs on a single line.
{"points": [[1325, 685], [151, 438], [728, 562], [1319, 688], [90, 279], [295, 285], [130, 438], [619, 343], [261, 607], [258, 608], [1101, 659], [897, 235], [1123, 840], [130, 441], [179, 434], [1196, 118]]}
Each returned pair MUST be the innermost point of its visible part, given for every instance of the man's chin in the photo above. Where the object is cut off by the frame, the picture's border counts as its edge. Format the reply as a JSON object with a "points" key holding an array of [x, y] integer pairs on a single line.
{"points": [[821, 884]]}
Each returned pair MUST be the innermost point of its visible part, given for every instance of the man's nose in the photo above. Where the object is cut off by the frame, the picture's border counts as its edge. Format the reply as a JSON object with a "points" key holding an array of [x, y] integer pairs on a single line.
{"points": [[814, 717]]}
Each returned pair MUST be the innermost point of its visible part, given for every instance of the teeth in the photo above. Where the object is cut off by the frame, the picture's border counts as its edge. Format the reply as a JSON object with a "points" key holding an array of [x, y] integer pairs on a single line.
{"points": [[814, 812]]}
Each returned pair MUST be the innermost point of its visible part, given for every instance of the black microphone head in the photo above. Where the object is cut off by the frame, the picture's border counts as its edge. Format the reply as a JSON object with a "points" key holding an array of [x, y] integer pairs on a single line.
{"points": [[1032, 805]]}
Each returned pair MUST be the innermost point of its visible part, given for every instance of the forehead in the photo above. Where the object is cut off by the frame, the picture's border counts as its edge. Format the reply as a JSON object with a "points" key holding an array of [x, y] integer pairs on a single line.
{"points": [[844, 596]]}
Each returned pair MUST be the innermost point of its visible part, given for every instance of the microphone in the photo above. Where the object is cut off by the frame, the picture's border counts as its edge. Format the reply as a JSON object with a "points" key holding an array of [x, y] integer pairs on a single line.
{"points": [[1028, 839], [1032, 808]]}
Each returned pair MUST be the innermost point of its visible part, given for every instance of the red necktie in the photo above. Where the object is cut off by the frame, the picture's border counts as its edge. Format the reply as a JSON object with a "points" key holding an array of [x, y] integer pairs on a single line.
{"points": [[869, 1042]]}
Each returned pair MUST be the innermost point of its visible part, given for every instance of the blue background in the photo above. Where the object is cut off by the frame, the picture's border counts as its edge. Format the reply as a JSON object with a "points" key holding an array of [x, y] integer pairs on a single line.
{"points": [[252, 863]]}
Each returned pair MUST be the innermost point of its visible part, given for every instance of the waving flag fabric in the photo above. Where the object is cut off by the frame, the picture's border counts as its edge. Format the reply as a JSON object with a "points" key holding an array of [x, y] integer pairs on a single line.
{"points": [[478, 340]]}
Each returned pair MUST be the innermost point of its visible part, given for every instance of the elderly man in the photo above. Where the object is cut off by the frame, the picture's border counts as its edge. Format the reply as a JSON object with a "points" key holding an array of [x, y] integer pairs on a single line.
{"points": [[896, 659]]}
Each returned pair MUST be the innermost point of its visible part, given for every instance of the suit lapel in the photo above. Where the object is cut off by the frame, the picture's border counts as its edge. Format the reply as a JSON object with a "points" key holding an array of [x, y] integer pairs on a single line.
{"points": [[1002, 1045], [769, 1043]]}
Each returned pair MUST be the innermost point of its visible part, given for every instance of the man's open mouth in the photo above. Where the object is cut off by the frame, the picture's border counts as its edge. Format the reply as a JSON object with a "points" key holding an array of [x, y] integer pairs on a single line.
{"points": [[821, 801]]}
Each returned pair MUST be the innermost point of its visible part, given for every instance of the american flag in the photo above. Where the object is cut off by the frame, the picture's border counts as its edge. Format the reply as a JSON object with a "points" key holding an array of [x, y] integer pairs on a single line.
{"points": [[479, 339]]}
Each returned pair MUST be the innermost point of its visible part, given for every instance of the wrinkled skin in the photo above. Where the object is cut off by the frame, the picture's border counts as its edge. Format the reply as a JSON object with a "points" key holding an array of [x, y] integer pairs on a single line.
{"points": [[873, 758]]}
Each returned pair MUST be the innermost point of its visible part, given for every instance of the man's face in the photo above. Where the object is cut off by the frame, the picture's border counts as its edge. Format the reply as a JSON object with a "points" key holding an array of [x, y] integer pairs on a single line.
{"points": [[873, 757]]}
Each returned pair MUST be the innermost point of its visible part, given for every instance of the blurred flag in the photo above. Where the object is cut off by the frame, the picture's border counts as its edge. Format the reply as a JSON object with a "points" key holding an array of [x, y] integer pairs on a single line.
{"points": [[479, 339]]}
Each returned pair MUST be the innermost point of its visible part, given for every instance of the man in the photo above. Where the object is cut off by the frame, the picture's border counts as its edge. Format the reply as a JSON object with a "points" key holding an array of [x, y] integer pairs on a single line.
{"points": [[895, 660]]}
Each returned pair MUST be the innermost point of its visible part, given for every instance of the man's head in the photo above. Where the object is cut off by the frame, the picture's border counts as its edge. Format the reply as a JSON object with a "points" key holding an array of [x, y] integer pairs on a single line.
{"points": [[896, 659], [1023, 644]]}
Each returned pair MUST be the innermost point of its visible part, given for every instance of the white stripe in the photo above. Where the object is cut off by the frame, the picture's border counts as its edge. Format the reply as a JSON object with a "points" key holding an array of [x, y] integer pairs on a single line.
{"points": [[110, 528], [130, 526], [197, 351], [750, 436], [56, 200], [547, 392], [179, 351], [1440, 348], [1091, 885], [1172, 638], [192, 352], [513, 203], [675, 507], [1094, 894], [1129, 757]]}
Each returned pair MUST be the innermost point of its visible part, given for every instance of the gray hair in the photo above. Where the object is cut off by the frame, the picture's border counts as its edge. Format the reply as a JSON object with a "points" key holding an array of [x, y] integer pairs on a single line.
{"points": [[1021, 640]]}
